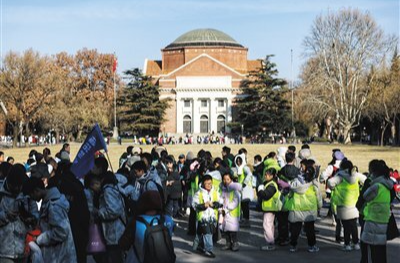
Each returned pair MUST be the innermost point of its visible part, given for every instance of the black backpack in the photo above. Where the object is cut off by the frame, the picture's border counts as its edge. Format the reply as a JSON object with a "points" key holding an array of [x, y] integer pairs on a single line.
{"points": [[157, 244]]}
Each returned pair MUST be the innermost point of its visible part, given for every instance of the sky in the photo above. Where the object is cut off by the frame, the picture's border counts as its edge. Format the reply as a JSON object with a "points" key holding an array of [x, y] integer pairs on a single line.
{"points": [[136, 30]]}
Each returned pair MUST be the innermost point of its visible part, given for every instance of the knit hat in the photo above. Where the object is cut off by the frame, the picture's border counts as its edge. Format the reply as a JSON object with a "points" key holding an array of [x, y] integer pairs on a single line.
{"points": [[181, 156], [189, 156], [149, 200], [339, 155]]}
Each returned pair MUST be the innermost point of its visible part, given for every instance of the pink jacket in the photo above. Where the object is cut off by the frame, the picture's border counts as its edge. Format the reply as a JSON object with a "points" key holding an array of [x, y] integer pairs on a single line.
{"points": [[229, 222]]}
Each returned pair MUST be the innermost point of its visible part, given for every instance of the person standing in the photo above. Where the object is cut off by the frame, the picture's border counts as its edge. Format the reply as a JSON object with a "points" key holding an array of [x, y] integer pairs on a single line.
{"points": [[55, 241], [230, 212], [303, 204], [346, 186], [206, 202], [376, 215], [269, 194]]}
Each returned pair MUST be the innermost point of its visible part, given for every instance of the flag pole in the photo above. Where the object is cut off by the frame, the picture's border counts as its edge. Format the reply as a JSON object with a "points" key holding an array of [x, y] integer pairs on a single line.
{"points": [[115, 132], [109, 161]]}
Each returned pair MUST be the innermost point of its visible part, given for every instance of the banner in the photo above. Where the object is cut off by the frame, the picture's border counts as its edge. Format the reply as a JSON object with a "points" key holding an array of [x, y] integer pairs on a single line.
{"points": [[84, 160]]}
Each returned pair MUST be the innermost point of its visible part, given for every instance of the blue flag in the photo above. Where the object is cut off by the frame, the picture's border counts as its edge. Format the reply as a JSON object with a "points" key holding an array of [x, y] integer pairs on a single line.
{"points": [[84, 160]]}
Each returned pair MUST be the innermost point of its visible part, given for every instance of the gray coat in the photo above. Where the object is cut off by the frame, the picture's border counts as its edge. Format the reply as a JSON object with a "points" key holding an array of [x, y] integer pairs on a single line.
{"points": [[300, 187], [13, 232], [346, 212], [56, 240], [112, 214], [375, 233]]}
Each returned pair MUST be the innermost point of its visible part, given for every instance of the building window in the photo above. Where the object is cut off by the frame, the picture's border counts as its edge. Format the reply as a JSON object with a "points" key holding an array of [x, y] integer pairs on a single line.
{"points": [[221, 124], [187, 124], [186, 103], [203, 103], [204, 124], [221, 103]]}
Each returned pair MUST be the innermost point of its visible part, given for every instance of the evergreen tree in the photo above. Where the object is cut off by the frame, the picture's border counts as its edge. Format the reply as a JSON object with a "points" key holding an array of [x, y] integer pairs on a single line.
{"points": [[141, 110], [263, 106]]}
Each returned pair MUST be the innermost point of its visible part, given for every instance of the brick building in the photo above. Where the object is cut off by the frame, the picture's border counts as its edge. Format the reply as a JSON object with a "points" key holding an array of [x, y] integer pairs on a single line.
{"points": [[201, 72]]}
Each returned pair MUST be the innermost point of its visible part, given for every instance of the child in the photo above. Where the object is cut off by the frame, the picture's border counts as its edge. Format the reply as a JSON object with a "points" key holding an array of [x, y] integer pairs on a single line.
{"points": [[346, 186], [245, 178], [206, 202], [269, 194], [230, 211], [174, 188], [56, 240], [303, 204]]}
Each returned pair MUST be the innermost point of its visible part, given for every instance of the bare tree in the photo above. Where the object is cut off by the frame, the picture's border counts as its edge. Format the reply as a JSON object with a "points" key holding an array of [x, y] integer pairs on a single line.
{"points": [[384, 97], [343, 47]]}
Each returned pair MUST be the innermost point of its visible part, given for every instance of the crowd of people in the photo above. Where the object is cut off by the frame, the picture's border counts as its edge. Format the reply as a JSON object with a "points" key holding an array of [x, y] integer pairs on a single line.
{"points": [[49, 215]]}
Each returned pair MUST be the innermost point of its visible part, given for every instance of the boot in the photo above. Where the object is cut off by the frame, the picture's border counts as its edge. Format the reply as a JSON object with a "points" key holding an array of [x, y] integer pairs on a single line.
{"points": [[235, 246]]}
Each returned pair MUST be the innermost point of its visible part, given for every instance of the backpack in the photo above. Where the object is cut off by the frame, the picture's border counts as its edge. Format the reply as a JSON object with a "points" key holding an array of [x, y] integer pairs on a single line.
{"points": [[157, 244]]}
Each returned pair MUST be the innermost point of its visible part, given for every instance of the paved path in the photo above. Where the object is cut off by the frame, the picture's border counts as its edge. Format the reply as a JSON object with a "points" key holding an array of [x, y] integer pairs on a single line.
{"points": [[251, 239]]}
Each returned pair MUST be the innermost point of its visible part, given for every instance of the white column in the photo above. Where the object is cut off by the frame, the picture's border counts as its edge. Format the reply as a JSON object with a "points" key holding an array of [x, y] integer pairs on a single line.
{"points": [[228, 113], [179, 115], [213, 115], [196, 115]]}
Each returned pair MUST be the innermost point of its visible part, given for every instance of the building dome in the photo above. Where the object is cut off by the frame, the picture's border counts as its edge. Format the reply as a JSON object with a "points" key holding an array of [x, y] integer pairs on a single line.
{"points": [[204, 37]]}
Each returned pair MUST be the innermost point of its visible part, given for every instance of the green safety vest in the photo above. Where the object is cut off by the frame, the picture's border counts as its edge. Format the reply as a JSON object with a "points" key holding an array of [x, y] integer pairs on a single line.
{"points": [[378, 209], [235, 212], [216, 184], [271, 204], [241, 178], [194, 186], [303, 202], [214, 198], [346, 194]]}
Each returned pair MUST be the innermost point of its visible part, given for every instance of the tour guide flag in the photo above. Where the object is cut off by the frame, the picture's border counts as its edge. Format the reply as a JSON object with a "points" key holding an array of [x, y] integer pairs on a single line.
{"points": [[84, 160]]}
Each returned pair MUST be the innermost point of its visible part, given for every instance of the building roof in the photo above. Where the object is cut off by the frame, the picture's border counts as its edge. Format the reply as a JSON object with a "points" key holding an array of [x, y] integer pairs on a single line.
{"points": [[153, 67], [204, 37]]}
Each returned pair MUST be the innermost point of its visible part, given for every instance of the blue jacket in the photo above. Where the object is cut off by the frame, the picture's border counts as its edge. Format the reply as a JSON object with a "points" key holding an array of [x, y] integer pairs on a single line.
{"points": [[13, 233], [112, 213], [56, 240]]}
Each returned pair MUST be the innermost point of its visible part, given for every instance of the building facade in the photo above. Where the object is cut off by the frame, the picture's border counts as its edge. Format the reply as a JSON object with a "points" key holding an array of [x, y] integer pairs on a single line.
{"points": [[200, 72]]}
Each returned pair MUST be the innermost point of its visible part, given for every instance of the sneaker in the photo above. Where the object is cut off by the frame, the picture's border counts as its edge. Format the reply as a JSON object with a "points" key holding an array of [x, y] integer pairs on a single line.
{"points": [[293, 249], [347, 248], [356, 246], [267, 248], [209, 254], [313, 249]]}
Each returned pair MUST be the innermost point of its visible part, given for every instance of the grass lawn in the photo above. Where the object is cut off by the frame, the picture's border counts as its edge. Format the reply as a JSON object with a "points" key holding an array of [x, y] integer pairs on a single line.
{"points": [[360, 155]]}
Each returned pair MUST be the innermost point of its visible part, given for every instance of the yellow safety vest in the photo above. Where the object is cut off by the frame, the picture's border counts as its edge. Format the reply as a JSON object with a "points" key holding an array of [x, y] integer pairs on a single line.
{"points": [[304, 202], [378, 209], [271, 205], [214, 198], [346, 194]]}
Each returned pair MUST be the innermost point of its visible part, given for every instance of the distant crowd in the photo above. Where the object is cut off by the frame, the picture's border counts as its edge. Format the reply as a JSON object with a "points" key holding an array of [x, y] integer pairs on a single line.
{"points": [[47, 214]]}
